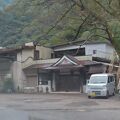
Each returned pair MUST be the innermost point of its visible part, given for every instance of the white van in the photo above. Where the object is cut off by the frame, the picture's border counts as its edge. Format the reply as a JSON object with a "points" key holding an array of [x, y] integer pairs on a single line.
{"points": [[101, 85]]}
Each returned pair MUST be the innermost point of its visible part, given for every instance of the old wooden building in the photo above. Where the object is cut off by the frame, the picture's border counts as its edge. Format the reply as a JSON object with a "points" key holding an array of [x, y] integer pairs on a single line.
{"points": [[65, 67]]}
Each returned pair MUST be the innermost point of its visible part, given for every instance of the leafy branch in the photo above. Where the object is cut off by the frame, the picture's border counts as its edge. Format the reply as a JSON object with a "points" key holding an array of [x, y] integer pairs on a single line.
{"points": [[60, 19]]}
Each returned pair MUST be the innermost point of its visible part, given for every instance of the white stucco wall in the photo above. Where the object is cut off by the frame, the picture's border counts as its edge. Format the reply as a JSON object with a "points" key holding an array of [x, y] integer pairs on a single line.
{"points": [[102, 50], [90, 47]]}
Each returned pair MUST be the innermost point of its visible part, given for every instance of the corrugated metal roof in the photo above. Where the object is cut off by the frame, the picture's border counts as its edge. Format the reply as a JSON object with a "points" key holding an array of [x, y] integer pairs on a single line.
{"points": [[79, 42]]}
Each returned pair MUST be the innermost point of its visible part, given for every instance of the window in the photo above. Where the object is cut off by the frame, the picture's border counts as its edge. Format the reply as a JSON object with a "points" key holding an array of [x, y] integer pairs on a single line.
{"points": [[36, 55], [110, 79], [98, 79], [45, 82], [94, 51]]}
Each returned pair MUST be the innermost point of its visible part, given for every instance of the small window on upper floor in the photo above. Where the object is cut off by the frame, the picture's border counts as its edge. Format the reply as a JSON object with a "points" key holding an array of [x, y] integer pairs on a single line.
{"points": [[36, 55], [94, 51]]}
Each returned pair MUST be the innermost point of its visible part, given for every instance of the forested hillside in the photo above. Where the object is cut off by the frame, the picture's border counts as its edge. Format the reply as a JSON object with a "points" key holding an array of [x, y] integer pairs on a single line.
{"points": [[53, 22]]}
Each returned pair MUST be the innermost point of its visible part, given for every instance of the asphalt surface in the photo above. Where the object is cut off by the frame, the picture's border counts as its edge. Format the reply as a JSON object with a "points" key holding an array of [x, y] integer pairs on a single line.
{"points": [[10, 114], [58, 107]]}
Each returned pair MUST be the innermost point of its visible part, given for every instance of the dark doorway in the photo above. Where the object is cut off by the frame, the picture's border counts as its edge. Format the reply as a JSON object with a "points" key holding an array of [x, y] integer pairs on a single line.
{"points": [[68, 83]]}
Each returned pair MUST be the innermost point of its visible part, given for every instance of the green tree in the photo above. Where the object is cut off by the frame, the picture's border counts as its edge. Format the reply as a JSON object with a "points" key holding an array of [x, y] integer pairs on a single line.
{"points": [[54, 22]]}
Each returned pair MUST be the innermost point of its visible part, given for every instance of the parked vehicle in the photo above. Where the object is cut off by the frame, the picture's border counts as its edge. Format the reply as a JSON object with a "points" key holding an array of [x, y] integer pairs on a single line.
{"points": [[101, 85]]}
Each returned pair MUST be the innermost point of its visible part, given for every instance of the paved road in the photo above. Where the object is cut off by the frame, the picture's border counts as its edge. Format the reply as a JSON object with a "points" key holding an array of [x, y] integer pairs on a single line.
{"points": [[78, 115], [58, 107], [11, 114]]}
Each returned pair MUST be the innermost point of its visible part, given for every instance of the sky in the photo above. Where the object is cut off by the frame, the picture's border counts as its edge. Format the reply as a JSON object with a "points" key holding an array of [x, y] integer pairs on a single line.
{"points": [[6, 1], [3, 3]]}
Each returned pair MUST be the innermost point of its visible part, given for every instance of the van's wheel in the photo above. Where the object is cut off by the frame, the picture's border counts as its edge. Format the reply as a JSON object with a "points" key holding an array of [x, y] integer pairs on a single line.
{"points": [[89, 97]]}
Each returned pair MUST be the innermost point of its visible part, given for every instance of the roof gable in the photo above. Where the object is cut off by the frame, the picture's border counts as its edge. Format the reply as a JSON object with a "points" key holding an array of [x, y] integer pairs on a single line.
{"points": [[65, 60]]}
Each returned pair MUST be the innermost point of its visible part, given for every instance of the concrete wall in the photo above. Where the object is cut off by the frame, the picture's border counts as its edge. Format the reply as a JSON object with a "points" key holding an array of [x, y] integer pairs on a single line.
{"points": [[45, 53], [23, 78], [18, 75], [24, 54]]}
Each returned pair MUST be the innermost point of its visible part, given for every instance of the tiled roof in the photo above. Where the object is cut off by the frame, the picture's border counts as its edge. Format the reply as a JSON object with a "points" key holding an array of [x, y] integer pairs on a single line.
{"points": [[79, 64], [82, 62]]}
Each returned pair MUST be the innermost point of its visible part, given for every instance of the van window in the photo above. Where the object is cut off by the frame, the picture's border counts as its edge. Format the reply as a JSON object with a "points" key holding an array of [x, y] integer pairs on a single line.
{"points": [[110, 79], [98, 79]]}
